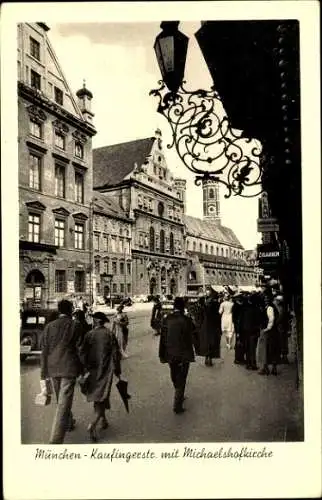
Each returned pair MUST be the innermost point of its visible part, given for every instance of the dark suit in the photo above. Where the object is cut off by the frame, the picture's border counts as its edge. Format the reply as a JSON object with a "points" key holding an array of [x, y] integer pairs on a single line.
{"points": [[60, 361], [176, 348]]}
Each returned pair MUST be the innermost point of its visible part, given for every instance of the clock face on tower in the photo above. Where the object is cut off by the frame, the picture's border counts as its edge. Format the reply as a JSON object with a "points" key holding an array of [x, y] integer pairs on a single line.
{"points": [[211, 209]]}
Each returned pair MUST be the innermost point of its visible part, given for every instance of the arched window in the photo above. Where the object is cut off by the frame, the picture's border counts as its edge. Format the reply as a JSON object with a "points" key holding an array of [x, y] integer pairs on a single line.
{"points": [[217, 250], [226, 252], [152, 239], [211, 193], [188, 245], [194, 246], [162, 241], [222, 252], [200, 247], [206, 248], [212, 250], [171, 244]]}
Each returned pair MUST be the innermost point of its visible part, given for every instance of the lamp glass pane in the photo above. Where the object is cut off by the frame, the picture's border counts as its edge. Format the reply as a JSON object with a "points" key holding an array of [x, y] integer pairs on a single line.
{"points": [[167, 51]]}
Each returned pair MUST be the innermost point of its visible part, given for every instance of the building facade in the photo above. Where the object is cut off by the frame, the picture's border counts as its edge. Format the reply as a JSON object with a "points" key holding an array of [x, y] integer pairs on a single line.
{"points": [[55, 133], [135, 175], [112, 248]]}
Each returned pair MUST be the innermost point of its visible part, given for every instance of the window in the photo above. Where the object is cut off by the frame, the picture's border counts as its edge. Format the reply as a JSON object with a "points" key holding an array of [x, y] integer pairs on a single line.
{"points": [[96, 241], [79, 150], [129, 268], [206, 248], [106, 266], [59, 140], [152, 240], [162, 250], [58, 95], [114, 287], [79, 281], [200, 247], [129, 288], [212, 250], [59, 232], [105, 243], [79, 187], [114, 267], [97, 267], [60, 181], [160, 209], [34, 228], [60, 281], [211, 193], [121, 245], [98, 288], [121, 267], [34, 172], [171, 244], [113, 244], [34, 48], [79, 236], [35, 129], [194, 246], [35, 80], [122, 287]]}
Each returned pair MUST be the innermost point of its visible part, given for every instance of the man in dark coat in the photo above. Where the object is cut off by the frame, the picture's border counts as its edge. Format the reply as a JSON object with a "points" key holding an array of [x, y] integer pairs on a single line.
{"points": [[156, 315], [210, 329], [238, 320], [60, 361], [177, 349]]}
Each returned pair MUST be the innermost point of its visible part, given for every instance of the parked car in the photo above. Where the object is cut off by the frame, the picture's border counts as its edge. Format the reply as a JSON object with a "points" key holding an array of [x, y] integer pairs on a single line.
{"points": [[100, 301], [140, 298], [33, 322], [120, 299]]}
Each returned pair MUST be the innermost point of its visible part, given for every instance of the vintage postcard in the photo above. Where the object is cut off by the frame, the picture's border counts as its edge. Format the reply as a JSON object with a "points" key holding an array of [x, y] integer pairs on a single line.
{"points": [[161, 215]]}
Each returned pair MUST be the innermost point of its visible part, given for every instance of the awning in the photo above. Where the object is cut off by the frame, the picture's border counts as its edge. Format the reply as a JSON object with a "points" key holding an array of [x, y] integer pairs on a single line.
{"points": [[218, 288], [247, 288]]}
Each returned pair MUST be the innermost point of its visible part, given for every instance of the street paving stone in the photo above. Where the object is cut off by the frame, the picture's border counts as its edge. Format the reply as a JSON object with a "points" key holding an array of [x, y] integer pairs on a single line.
{"points": [[225, 403]]}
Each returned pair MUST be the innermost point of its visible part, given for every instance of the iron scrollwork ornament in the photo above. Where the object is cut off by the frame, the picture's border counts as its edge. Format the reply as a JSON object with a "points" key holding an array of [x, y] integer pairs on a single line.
{"points": [[206, 143]]}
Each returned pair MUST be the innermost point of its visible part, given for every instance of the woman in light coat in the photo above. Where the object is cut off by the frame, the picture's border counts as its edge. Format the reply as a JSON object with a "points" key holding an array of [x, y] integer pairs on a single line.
{"points": [[227, 325]]}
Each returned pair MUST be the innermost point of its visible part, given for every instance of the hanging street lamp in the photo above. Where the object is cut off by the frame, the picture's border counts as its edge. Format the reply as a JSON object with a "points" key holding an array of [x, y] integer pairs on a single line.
{"points": [[201, 132]]}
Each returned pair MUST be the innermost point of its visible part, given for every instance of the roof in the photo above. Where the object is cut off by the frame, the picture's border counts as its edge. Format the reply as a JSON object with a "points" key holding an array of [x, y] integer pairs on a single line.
{"points": [[211, 230], [109, 205], [111, 164]]}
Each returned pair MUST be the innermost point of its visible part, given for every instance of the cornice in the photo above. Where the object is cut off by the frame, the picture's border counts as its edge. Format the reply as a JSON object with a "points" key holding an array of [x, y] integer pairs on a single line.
{"points": [[35, 145], [60, 157], [38, 98]]}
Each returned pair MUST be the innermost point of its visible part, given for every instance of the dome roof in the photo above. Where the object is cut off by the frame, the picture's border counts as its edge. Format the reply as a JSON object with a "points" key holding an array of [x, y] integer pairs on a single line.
{"points": [[84, 91]]}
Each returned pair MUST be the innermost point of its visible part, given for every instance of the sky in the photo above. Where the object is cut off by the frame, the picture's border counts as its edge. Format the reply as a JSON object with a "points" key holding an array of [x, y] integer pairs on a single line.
{"points": [[119, 66]]}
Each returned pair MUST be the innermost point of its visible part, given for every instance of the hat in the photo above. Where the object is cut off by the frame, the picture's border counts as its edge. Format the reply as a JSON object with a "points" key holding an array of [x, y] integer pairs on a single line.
{"points": [[101, 316]]}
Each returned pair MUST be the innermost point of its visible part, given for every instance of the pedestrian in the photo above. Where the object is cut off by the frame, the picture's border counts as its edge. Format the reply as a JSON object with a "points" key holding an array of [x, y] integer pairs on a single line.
{"points": [[210, 329], [251, 328], [60, 361], [177, 342], [237, 316], [282, 325], [80, 318], [227, 326], [268, 345], [120, 329], [101, 357], [156, 315]]}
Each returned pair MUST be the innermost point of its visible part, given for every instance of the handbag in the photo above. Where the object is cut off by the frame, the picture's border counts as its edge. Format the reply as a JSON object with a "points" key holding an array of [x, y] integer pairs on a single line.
{"points": [[46, 390]]}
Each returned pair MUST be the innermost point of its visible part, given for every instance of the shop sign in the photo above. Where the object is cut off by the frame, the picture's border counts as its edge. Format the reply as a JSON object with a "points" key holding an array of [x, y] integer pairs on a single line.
{"points": [[268, 255], [267, 225]]}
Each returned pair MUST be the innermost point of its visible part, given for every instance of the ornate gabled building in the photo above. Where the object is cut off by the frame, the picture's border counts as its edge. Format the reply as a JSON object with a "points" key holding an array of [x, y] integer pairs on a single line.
{"points": [[55, 133], [112, 237], [136, 176]]}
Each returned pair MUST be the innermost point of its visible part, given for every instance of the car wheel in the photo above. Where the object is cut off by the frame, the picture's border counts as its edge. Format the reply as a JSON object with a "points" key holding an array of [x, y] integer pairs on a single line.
{"points": [[28, 340]]}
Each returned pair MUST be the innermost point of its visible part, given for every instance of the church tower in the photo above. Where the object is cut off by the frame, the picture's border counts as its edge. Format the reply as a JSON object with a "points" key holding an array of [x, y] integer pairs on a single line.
{"points": [[211, 201], [85, 97]]}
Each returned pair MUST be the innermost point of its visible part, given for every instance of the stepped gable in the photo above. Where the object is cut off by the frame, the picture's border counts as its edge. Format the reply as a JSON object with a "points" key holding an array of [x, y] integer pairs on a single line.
{"points": [[108, 205], [210, 230], [111, 164]]}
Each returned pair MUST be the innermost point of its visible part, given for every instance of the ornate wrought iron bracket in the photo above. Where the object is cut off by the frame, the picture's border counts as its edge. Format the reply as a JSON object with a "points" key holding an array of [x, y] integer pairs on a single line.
{"points": [[206, 143]]}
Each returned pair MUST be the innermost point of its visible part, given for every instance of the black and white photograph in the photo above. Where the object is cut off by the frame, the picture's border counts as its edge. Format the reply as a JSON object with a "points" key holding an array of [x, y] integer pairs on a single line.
{"points": [[161, 239]]}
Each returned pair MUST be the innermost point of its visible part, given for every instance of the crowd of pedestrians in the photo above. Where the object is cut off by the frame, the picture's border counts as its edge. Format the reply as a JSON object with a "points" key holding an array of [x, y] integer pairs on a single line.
{"points": [[255, 324]]}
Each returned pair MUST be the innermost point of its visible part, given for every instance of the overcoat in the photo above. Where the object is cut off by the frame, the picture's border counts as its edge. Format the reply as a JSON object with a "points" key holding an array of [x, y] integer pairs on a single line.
{"points": [[210, 329], [101, 355], [177, 339]]}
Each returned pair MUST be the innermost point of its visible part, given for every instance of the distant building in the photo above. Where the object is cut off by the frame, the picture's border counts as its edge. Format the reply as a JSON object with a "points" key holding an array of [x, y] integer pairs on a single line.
{"points": [[55, 133], [112, 248], [135, 175]]}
